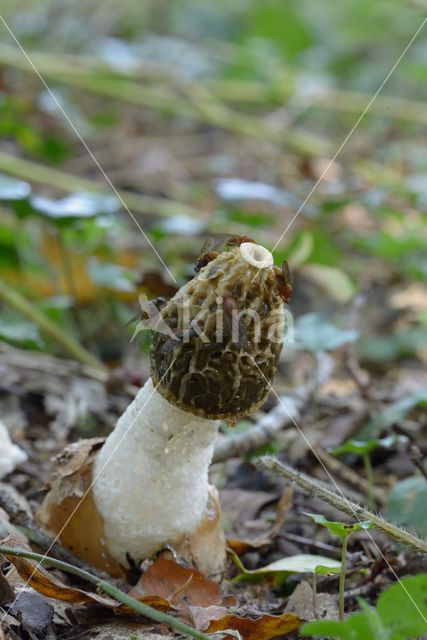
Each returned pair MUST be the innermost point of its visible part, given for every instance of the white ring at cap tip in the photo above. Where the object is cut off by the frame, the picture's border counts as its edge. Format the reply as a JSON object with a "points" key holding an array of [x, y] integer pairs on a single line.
{"points": [[257, 255]]}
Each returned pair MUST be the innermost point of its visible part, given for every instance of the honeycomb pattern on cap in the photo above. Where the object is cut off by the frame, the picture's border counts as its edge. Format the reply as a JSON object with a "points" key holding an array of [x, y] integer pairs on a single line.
{"points": [[226, 319]]}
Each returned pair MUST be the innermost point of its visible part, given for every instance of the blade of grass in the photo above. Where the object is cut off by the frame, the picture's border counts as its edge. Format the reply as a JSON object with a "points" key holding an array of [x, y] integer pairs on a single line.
{"points": [[35, 172], [19, 303], [189, 99]]}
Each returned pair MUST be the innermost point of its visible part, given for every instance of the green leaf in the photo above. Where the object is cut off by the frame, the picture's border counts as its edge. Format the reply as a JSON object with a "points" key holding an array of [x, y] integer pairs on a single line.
{"points": [[363, 447], [111, 276], [403, 607], [301, 250], [400, 615], [356, 627], [389, 348], [340, 529], [17, 331], [394, 413], [326, 571], [407, 504], [314, 333], [279, 23], [249, 218], [62, 212], [299, 563], [237, 190], [75, 206], [13, 189], [332, 280]]}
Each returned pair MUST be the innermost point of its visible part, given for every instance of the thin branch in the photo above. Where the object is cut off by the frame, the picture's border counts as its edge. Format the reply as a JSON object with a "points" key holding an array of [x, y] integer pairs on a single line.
{"points": [[261, 434], [109, 589], [317, 489], [272, 423]]}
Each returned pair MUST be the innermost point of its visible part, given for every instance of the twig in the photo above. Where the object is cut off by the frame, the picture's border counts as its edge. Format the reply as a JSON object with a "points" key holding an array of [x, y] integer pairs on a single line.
{"points": [[317, 489], [67, 342], [261, 434], [48, 364], [112, 591], [272, 423]]}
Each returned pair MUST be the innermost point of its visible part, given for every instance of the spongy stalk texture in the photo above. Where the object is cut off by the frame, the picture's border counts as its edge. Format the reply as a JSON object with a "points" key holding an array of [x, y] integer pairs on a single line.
{"points": [[151, 475]]}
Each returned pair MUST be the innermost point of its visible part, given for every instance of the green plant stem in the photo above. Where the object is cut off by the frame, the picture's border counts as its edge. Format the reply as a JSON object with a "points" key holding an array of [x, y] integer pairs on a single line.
{"points": [[370, 478], [198, 102], [83, 70], [41, 174], [20, 304], [342, 576], [109, 589], [319, 490], [390, 107]]}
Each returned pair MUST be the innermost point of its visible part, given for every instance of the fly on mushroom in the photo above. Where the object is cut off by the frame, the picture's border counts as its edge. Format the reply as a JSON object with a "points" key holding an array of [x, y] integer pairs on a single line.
{"points": [[236, 241], [208, 253], [284, 283], [213, 246]]}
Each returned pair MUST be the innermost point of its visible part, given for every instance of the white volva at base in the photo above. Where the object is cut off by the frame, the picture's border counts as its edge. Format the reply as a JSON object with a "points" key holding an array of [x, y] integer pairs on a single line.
{"points": [[151, 475]]}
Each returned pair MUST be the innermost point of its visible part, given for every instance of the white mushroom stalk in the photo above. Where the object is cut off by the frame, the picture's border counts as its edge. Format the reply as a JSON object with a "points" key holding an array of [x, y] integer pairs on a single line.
{"points": [[149, 479], [151, 484]]}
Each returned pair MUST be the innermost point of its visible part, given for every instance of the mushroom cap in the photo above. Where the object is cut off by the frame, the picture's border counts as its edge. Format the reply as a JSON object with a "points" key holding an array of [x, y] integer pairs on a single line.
{"points": [[224, 336]]}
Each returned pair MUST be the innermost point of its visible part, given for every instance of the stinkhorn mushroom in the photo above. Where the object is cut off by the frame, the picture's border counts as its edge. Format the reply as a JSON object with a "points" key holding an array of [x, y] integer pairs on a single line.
{"points": [[213, 357]]}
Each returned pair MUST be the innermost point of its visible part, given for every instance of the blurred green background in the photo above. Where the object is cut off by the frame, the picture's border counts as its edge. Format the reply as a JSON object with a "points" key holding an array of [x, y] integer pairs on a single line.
{"points": [[211, 118]]}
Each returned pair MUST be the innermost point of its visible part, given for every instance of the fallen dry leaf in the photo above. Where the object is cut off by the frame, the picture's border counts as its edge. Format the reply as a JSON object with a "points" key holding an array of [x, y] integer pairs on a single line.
{"points": [[48, 584], [69, 505], [201, 617], [7, 593], [323, 607], [179, 585], [34, 612], [243, 546], [264, 628], [120, 631], [239, 506], [259, 498]]}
